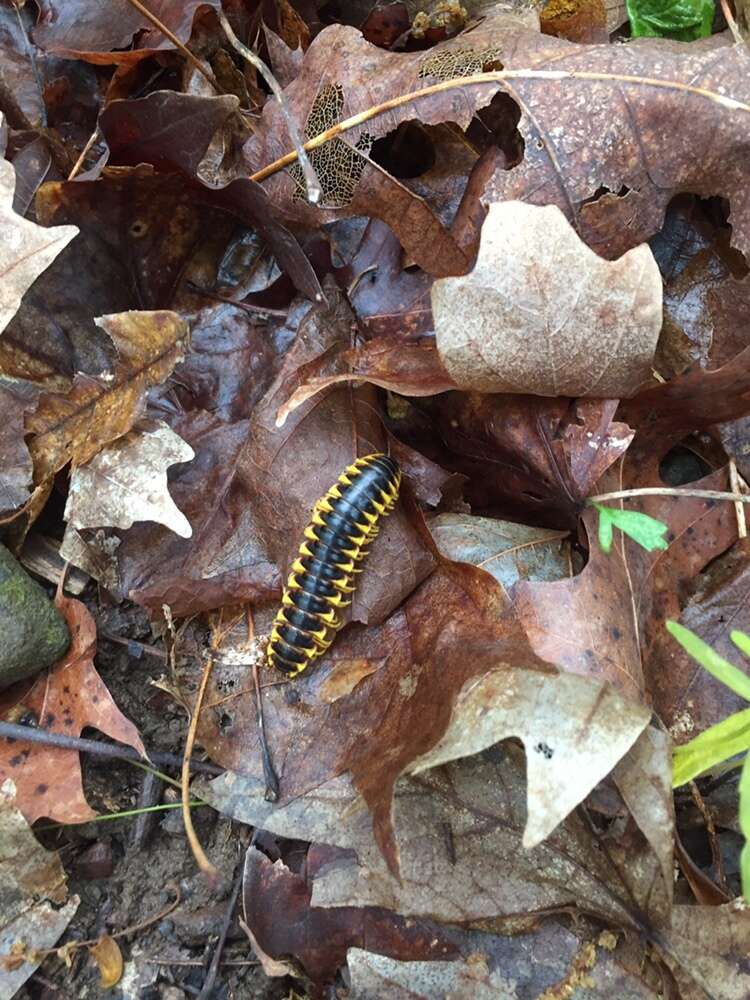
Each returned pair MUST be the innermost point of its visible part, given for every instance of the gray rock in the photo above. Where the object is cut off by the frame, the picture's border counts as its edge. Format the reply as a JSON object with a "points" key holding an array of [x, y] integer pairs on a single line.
{"points": [[33, 633]]}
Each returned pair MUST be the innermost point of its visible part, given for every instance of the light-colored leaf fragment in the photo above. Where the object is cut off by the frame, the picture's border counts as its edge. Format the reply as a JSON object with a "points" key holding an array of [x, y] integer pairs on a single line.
{"points": [[74, 426], [107, 955], [375, 975], [508, 551], [646, 531], [26, 249], [127, 482], [574, 730], [31, 880], [541, 313]]}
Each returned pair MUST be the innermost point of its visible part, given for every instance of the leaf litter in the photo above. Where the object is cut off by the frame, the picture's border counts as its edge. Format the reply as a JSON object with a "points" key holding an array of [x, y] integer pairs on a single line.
{"points": [[524, 287]]}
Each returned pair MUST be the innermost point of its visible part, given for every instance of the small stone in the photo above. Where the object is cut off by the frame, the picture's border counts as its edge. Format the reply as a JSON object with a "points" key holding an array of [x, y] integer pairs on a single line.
{"points": [[35, 635], [96, 861]]}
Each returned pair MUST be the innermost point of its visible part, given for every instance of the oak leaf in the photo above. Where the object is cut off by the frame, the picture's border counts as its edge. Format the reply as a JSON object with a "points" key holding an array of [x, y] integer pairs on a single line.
{"points": [[541, 313], [26, 248], [65, 699], [73, 427], [127, 482]]}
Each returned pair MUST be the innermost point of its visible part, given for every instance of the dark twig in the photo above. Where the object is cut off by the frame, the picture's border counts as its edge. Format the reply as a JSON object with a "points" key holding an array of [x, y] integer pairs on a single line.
{"points": [[271, 779], [12, 731], [213, 969], [150, 795]]}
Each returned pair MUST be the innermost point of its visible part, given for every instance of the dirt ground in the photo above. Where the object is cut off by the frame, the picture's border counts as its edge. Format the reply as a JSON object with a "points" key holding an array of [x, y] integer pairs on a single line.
{"points": [[122, 884]]}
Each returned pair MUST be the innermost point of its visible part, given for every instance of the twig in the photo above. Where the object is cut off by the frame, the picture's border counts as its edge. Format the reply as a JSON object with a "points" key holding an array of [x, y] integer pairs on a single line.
{"points": [[247, 306], [311, 179], [269, 774], [198, 963], [213, 969], [735, 482], [198, 853], [83, 154], [149, 795], [497, 76], [31, 55], [176, 42], [123, 641], [731, 23], [12, 731], [670, 491]]}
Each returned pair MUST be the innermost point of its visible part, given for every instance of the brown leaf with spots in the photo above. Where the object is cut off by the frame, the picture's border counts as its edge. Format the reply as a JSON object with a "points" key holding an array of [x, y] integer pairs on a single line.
{"points": [[65, 699], [74, 427]]}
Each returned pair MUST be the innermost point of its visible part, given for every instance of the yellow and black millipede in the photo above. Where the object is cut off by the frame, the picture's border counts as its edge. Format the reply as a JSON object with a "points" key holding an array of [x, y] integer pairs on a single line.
{"points": [[342, 525]]}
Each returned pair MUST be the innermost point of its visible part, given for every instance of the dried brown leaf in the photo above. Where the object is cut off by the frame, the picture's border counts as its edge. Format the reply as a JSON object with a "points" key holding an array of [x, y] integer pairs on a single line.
{"points": [[541, 313], [74, 427], [65, 699], [16, 469]]}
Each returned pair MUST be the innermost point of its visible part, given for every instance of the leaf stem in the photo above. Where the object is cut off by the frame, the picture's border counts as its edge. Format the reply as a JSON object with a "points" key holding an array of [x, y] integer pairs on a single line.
{"points": [[496, 76], [670, 491]]}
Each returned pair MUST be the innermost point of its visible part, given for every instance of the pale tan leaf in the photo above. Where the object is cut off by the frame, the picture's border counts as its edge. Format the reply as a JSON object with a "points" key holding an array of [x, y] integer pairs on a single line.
{"points": [[127, 482], [26, 249], [32, 880], [107, 955], [541, 313], [74, 426]]}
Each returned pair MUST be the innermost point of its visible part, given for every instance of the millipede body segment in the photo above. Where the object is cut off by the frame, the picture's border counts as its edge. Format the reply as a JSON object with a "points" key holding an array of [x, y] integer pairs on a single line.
{"points": [[336, 540]]}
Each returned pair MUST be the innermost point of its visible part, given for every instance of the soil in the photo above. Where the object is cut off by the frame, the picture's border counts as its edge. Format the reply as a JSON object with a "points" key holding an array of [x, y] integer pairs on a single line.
{"points": [[122, 884]]}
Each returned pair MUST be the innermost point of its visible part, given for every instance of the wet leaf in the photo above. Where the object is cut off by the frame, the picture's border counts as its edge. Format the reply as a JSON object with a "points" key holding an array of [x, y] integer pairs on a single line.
{"points": [[65, 699], [525, 318], [27, 248], [16, 399], [127, 482]]}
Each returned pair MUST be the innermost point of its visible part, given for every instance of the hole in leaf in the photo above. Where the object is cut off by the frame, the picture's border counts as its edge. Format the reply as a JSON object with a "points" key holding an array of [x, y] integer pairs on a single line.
{"points": [[681, 465], [406, 152]]}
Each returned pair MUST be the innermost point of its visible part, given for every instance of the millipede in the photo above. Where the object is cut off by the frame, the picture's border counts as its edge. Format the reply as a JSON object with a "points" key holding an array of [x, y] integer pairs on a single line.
{"points": [[343, 524]]}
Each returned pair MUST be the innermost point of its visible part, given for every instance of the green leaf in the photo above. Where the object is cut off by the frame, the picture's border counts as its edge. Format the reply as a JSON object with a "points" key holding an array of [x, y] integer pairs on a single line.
{"points": [[716, 665], [645, 530], [741, 641], [720, 742], [683, 20]]}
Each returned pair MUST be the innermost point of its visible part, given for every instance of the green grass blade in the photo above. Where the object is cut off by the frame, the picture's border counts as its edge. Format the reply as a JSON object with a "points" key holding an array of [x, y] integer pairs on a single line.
{"points": [[741, 641], [727, 738], [744, 791], [716, 665]]}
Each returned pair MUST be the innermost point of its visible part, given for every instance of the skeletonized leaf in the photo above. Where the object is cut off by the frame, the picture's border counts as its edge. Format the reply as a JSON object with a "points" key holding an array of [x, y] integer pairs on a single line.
{"points": [[127, 482], [73, 427], [541, 313], [26, 249]]}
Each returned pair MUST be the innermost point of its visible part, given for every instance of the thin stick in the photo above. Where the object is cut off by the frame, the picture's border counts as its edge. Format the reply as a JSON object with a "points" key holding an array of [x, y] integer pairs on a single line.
{"points": [[25, 734], [739, 510], [31, 56], [208, 983], [269, 774], [195, 846], [731, 23], [497, 76], [669, 491], [311, 178], [176, 42], [84, 153]]}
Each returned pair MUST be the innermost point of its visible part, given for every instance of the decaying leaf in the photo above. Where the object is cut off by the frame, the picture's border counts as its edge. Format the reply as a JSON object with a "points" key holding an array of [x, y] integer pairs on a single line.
{"points": [[108, 957], [26, 249], [16, 469], [76, 426], [65, 699], [127, 482], [33, 889], [541, 313]]}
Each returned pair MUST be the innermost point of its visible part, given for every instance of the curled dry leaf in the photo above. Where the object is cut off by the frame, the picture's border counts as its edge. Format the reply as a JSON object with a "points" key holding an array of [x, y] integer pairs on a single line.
{"points": [[75, 426], [34, 890], [26, 249], [65, 699], [540, 313], [127, 482]]}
